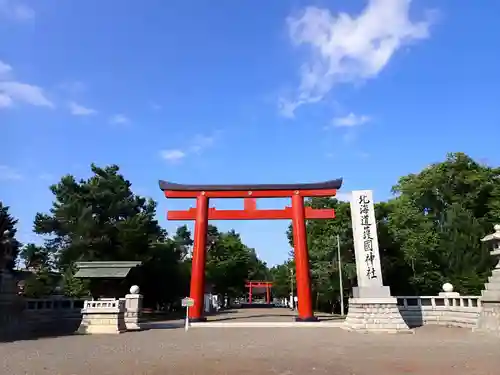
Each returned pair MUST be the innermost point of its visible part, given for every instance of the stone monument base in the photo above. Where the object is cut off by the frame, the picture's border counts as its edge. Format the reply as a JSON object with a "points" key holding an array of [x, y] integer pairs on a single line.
{"points": [[371, 292], [489, 318], [133, 307], [375, 315], [103, 317], [132, 321]]}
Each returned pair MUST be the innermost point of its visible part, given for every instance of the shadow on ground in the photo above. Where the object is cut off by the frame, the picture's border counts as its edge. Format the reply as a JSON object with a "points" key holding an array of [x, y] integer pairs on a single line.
{"points": [[42, 330]]}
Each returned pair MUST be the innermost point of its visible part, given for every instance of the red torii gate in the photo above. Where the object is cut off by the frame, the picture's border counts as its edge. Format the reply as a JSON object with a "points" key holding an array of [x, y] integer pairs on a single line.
{"points": [[297, 213], [259, 284]]}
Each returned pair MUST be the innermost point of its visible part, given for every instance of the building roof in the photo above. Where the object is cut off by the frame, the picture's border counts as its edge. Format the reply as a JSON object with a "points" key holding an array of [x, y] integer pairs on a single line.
{"points": [[108, 270], [325, 185]]}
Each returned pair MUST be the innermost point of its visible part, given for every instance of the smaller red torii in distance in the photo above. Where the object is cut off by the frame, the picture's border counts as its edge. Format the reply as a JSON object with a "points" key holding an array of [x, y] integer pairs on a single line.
{"points": [[259, 284]]}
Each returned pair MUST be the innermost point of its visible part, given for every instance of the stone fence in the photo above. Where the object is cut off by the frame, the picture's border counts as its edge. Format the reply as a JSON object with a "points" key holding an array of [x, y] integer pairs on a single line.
{"points": [[39, 316], [455, 311]]}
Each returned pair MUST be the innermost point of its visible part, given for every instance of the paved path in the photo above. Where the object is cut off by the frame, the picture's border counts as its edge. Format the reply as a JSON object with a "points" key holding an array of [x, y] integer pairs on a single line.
{"points": [[263, 315], [256, 351]]}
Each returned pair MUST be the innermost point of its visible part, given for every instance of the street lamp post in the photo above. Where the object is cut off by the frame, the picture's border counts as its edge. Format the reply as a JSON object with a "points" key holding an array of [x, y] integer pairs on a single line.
{"points": [[341, 286], [6, 248], [6, 253]]}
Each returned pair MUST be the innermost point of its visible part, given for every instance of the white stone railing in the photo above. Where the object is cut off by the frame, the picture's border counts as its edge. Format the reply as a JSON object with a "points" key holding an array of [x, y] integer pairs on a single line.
{"points": [[453, 311], [105, 305]]}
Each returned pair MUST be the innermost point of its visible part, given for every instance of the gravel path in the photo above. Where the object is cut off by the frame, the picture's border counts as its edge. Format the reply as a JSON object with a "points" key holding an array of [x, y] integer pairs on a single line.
{"points": [[243, 351], [263, 315]]}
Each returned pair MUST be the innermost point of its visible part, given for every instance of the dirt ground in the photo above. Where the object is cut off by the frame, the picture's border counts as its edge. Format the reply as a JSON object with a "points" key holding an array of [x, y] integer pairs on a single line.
{"points": [[167, 349]]}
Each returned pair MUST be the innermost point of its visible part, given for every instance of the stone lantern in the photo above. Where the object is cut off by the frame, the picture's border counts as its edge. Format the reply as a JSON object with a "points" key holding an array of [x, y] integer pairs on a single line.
{"points": [[489, 319]]}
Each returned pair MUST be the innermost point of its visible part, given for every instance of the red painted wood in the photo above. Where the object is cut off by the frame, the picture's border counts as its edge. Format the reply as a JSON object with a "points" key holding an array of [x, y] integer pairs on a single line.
{"points": [[253, 194], [197, 291], [250, 204], [270, 214], [259, 284], [297, 213], [305, 310]]}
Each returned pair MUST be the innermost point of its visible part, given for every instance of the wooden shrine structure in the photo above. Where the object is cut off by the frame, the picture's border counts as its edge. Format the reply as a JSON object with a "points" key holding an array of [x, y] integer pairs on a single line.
{"points": [[266, 285], [298, 213]]}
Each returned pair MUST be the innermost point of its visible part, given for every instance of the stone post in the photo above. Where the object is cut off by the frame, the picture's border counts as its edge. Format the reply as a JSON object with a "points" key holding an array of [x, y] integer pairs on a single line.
{"points": [[448, 291], [489, 318], [133, 308], [372, 308]]}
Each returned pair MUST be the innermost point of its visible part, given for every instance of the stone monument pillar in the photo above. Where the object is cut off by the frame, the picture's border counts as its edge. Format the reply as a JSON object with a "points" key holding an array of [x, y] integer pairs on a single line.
{"points": [[372, 307], [489, 318], [133, 308]]}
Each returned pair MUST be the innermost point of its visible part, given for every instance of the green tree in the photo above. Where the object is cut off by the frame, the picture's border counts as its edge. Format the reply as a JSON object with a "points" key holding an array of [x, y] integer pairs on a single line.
{"points": [[229, 263], [74, 287], [323, 254], [35, 257], [438, 218], [164, 277], [281, 278], [257, 269], [99, 219], [40, 284], [9, 246], [183, 241]]}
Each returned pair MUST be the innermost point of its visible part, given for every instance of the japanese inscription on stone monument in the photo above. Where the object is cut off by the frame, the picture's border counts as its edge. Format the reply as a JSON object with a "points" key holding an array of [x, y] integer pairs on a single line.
{"points": [[365, 239]]}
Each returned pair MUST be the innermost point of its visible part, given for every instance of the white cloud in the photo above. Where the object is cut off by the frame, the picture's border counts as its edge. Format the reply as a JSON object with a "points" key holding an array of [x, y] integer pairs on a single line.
{"points": [[197, 145], [12, 90], [349, 137], [23, 92], [172, 155], [5, 69], [345, 48], [5, 101], [80, 110], [9, 174], [16, 10], [201, 142], [350, 120], [156, 106], [119, 119], [73, 87]]}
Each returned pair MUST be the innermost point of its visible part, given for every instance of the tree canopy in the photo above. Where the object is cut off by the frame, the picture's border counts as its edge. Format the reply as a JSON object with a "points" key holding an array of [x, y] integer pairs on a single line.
{"points": [[429, 233], [99, 218], [9, 245]]}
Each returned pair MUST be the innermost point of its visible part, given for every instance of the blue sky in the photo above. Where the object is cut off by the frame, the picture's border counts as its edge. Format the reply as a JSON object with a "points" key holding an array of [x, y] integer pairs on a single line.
{"points": [[199, 91]]}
